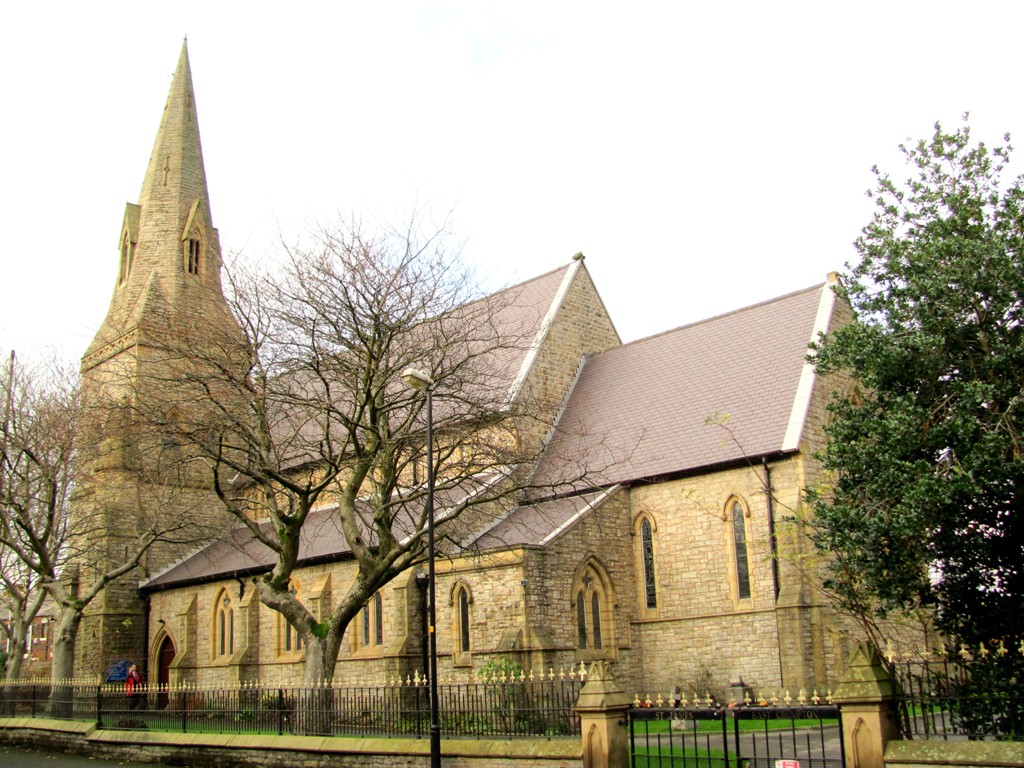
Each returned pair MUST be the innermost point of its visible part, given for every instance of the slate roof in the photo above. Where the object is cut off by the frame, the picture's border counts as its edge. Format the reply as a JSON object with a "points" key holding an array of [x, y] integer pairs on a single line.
{"points": [[537, 524], [519, 313], [321, 539], [240, 553], [713, 392]]}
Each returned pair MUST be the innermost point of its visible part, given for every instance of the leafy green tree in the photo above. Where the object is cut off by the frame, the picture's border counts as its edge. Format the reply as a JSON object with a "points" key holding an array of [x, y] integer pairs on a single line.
{"points": [[926, 448]]}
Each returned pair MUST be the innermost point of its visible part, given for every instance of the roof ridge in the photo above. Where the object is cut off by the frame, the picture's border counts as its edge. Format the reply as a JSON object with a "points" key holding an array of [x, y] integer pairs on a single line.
{"points": [[704, 321]]}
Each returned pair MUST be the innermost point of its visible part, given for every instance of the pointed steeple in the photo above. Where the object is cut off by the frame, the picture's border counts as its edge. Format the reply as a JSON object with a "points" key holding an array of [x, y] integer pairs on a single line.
{"points": [[176, 175], [168, 245]]}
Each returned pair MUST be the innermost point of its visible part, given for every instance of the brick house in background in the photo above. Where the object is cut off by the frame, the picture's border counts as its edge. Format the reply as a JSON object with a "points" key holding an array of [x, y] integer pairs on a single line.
{"points": [[676, 562], [38, 648]]}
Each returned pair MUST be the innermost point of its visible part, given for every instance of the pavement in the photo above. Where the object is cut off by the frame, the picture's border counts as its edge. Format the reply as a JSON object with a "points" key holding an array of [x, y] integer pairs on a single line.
{"points": [[13, 757]]}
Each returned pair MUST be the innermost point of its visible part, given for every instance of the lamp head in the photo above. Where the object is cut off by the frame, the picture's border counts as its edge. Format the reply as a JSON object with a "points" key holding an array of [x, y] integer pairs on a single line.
{"points": [[417, 379]]}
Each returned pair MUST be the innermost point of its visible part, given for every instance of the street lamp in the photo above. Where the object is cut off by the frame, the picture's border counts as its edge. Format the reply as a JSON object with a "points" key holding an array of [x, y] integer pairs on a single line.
{"points": [[417, 379]]}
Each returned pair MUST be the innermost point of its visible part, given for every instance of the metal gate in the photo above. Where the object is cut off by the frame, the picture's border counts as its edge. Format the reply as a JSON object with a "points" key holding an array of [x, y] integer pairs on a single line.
{"points": [[737, 737]]}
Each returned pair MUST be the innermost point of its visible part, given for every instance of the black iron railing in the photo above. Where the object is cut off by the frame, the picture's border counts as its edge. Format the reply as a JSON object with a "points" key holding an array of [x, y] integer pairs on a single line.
{"points": [[505, 708], [955, 698], [742, 736]]}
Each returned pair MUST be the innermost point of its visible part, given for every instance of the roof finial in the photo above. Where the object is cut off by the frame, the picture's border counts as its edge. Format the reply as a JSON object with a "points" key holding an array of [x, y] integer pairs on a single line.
{"points": [[578, 256]]}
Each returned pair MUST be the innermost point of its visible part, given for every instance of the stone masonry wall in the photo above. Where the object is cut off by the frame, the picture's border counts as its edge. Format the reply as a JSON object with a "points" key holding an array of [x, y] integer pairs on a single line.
{"points": [[701, 629], [580, 327], [551, 573]]}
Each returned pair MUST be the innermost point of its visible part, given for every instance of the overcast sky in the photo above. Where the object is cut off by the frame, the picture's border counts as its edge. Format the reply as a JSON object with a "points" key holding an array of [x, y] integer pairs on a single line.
{"points": [[703, 156]]}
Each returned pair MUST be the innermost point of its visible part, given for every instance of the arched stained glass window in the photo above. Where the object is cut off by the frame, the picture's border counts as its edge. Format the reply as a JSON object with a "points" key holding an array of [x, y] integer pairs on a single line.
{"points": [[463, 620], [378, 619], [366, 625], [224, 640], [581, 620], [739, 538], [647, 547]]}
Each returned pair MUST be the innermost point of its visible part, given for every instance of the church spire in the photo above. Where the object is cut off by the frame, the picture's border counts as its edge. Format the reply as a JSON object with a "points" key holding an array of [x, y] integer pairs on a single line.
{"points": [[168, 250], [176, 175]]}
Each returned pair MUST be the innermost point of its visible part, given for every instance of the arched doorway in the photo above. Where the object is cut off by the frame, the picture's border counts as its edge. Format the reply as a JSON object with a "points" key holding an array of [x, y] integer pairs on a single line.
{"points": [[163, 669]]}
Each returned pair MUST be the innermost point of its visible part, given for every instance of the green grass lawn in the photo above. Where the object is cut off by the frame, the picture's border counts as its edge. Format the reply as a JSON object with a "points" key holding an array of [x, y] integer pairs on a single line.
{"points": [[715, 726]]}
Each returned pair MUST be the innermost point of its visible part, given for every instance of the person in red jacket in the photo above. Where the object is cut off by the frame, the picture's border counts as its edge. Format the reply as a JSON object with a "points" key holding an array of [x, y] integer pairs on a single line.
{"points": [[133, 687]]}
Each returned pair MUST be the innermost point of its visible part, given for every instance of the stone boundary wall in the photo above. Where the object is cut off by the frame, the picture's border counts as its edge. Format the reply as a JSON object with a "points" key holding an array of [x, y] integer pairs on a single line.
{"points": [[987, 754], [207, 750]]}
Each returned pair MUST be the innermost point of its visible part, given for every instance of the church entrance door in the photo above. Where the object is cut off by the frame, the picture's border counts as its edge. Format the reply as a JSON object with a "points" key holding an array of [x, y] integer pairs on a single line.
{"points": [[163, 670]]}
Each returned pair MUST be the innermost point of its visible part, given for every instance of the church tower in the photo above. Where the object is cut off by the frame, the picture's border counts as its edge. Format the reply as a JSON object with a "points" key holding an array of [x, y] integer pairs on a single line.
{"points": [[167, 296]]}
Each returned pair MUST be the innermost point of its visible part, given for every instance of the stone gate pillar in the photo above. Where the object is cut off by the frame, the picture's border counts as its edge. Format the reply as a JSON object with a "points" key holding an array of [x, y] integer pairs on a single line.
{"points": [[867, 697], [602, 709]]}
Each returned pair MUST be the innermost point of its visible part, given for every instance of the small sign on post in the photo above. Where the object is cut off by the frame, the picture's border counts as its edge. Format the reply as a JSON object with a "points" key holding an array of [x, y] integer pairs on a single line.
{"points": [[787, 764]]}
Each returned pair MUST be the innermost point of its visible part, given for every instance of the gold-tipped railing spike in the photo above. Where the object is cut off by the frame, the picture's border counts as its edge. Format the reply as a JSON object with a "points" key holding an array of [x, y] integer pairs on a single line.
{"points": [[732, 702], [1001, 650], [636, 699], [583, 670], [801, 697], [708, 698], [828, 696], [746, 698], [890, 654], [647, 701], [762, 701], [561, 673], [982, 651], [672, 701], [787, 698], [660, 702]]}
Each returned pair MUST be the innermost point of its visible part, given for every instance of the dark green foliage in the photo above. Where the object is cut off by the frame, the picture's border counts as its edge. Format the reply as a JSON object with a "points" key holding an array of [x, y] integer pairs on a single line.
{"points": [[985, 701], [926, 447]]}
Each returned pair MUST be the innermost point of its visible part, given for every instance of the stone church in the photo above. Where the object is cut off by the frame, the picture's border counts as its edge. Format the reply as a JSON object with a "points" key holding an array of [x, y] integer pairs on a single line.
{"points": [[680, 564]]}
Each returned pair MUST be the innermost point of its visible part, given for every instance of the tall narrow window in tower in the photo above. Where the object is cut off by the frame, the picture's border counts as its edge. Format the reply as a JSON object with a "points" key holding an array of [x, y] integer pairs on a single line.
{"points": [[126, 258], [194, 248], [739, 538], [647, 546]]}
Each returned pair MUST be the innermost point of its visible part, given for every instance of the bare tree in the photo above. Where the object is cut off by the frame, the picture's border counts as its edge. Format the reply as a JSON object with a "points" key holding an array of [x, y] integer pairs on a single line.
{"points": [[20, 601], [55, 546], [308, 415]]}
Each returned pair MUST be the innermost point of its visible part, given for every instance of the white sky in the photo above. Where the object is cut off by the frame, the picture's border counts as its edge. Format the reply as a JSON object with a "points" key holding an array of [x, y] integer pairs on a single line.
{"points": [[702, 156]]}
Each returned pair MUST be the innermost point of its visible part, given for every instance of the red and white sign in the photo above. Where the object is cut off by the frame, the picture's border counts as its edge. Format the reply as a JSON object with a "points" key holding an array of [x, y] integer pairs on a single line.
{"points": [[787, 764]]}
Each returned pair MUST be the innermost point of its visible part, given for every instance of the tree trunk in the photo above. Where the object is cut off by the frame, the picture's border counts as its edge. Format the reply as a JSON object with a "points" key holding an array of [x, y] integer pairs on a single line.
{"points": [[17, 656], [13, 665], [316, 713], [62, 694]]}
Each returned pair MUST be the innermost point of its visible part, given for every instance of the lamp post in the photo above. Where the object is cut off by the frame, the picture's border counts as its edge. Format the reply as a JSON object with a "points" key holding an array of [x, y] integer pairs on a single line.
{"points": [[419, 380]]}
